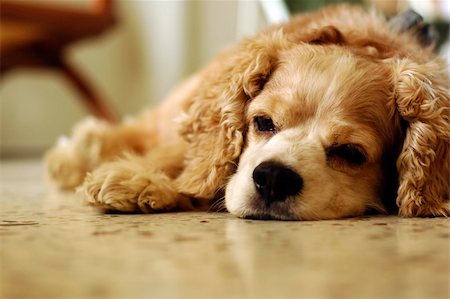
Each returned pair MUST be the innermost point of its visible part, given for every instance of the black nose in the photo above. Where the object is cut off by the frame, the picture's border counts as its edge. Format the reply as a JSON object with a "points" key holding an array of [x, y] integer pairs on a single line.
{"points": [[275, 182]]}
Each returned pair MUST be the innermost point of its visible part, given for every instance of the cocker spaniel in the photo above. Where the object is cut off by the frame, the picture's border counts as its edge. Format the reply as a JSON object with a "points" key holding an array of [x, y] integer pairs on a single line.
{"points": [[333, 114]]}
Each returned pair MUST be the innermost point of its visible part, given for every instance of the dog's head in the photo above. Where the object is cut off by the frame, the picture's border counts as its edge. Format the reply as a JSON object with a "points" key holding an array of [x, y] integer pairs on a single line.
{"points": [[321, 128], [318, 139]]}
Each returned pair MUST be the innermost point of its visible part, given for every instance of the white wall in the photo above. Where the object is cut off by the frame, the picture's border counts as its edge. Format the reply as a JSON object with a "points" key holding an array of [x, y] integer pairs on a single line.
{"points": [[154, 45]]}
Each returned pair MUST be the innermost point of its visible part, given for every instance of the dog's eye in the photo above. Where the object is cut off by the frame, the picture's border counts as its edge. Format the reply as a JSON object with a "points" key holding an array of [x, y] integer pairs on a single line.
{"points": [[350, 153], [264, 124]]}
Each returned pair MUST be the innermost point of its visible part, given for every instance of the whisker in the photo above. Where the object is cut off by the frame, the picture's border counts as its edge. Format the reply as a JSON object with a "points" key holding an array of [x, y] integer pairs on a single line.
{"points": [[218, 205]]}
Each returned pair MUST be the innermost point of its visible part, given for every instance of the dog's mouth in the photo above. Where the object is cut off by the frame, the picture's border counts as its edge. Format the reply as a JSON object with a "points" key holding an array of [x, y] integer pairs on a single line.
{"points": [[258, 210], [265, 216]]}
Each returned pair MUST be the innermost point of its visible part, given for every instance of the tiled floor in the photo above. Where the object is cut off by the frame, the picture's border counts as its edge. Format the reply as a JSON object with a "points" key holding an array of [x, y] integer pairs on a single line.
{"points": [[53, 247]]}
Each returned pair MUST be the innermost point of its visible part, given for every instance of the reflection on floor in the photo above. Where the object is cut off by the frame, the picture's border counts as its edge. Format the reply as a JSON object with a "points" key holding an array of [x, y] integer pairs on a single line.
{"points": [[53, 247]]}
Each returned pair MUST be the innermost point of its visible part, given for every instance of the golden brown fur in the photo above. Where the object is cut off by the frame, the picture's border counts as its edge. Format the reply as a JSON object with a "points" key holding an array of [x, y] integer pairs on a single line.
{"points": [[336, 77]]}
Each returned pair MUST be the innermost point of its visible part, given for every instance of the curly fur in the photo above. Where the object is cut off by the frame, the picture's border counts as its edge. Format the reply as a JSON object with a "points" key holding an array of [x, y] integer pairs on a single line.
{"points": [[201, 145], [423, 99]]}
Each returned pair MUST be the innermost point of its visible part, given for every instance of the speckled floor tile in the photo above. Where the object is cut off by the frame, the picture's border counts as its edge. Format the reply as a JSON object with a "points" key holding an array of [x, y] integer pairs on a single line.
{"points": [[53, 247]]}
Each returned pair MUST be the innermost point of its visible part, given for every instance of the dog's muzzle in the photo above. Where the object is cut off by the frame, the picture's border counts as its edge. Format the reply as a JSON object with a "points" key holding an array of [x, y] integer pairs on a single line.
{"points": [[275, 182]]}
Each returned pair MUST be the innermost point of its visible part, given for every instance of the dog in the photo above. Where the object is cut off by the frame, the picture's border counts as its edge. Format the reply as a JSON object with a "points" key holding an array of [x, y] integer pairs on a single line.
{"points": [[336, 113]]}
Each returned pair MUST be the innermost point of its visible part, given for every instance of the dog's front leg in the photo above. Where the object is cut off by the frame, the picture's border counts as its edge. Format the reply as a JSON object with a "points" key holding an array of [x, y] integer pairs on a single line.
{"points": [[133, 184]]}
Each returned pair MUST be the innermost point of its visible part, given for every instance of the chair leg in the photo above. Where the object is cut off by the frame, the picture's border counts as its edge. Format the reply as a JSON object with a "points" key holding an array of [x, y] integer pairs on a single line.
{"points": [[91, 99]]}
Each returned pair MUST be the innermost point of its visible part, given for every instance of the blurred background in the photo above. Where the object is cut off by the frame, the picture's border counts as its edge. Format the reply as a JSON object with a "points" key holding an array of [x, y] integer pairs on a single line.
{"points": [[62, 60]]}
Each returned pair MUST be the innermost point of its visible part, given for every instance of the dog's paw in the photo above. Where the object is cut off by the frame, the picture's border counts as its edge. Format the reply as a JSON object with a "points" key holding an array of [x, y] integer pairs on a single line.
{"points": [[65, 168], [119, 186], [71, 158]]}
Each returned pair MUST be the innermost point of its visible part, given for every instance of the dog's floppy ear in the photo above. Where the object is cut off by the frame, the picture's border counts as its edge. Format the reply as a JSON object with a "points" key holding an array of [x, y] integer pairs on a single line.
{"points": [[421, 93], [213, 124]]}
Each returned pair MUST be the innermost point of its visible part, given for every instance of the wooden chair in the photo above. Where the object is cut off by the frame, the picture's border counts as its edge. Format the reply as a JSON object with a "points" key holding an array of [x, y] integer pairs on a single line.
{"points": [[36, 34]]}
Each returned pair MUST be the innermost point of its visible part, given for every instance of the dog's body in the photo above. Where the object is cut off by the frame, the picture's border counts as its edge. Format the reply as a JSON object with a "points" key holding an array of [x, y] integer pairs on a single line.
{"points": [[327, 116]]}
